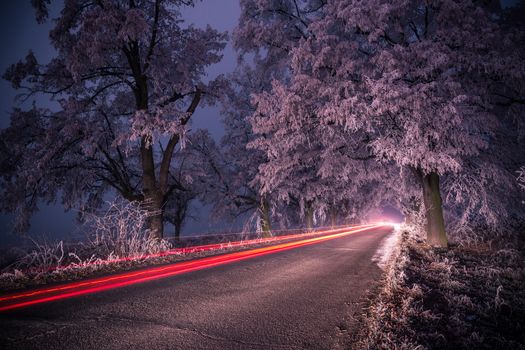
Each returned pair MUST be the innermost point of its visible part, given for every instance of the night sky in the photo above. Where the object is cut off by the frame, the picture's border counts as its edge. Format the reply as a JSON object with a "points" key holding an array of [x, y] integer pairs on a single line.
{"points": [[19, 33]]}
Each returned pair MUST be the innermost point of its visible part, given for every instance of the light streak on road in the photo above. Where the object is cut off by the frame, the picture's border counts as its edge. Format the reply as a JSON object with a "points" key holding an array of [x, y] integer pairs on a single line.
{"points": [[204, 248], [38, 296]]}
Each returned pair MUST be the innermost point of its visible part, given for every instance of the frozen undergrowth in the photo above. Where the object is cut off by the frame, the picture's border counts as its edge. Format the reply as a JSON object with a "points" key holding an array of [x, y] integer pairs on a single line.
{"points": [[56, 262], [118, 241], [43, 265], [119, 232], [457, 298], [13, 278]]}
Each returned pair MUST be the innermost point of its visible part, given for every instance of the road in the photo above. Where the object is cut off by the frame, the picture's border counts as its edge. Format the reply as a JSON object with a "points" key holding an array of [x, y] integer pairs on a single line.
{"points": [[302, 298]]}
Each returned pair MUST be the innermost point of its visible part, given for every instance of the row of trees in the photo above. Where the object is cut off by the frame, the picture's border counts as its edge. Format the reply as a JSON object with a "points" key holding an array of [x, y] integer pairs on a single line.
{"points": [[391, 95], [336, 108]]}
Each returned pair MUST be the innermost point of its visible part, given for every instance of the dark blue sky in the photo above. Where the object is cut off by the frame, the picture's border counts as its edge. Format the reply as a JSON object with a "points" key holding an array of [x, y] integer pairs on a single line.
{"points": [[19, 33]]}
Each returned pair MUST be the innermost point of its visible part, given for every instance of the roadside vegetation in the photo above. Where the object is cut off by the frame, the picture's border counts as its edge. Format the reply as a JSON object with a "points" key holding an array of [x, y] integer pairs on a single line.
{"points": [[51, 262], [469, 296], [118, 240]]}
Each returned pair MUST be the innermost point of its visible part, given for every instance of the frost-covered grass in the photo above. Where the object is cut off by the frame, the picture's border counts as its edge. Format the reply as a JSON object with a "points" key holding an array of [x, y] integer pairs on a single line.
{"points": [[118, 240], [115, 235], [26, 272], [118, 243], [458, 298], [54, 262]]}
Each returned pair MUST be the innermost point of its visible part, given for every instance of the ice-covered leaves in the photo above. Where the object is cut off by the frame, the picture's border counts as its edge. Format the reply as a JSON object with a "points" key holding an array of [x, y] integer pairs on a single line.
{"points": [[126, 75], [405, 83]]}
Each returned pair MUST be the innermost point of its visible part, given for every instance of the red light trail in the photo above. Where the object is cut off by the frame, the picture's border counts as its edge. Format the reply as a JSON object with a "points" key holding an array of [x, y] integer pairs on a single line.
{"points": [[38, 296], [204, 248]]}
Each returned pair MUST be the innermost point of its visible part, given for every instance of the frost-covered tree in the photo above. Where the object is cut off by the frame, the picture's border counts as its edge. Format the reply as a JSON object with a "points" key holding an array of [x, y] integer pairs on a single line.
{"points": [[309, 161], [243, 163], [270, 30], [126, 81], [416, 78], [428, 91], [294, 173], [185, 190]]}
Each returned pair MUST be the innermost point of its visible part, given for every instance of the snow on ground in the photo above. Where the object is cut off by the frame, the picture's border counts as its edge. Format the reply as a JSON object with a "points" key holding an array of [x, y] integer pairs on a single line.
{"points": [[386, 248]]}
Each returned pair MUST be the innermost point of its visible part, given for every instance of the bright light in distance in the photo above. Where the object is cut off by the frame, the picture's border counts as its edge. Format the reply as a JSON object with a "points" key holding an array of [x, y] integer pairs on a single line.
{"points": [[395, 225]]}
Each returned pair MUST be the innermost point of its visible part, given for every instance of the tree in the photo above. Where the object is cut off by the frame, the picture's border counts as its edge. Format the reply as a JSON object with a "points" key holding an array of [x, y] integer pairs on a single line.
{"points": [[430, 84], [186, 189], [126, 81], [309, 160], [243, 163], [294, 172], [270, 30], [414, 77]]}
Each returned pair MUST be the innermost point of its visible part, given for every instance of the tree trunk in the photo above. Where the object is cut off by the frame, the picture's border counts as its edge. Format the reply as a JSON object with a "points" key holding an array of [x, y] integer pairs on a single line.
{"points": [[154, 191], [177, 224], [412, 210], [156, 226], [436, 235], [333, 218], [153, 199], [309, 214], [155, 211], [264, 214]]}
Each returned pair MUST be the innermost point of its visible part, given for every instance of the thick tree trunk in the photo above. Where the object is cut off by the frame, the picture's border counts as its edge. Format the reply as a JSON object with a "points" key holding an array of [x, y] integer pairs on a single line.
{"points": [[264, 211], [155, 211], [436, 235], [154, 191], [153, 199], [156, 226]]}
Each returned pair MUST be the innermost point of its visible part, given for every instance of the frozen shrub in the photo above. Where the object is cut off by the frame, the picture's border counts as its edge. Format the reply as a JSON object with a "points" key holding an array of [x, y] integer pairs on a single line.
{"points": [[43, 257], [119, 232], [122, 231]]}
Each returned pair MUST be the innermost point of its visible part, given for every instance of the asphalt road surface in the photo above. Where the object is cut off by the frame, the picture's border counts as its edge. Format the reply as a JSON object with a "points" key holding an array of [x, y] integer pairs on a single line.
{"points": [[302, 298]]}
